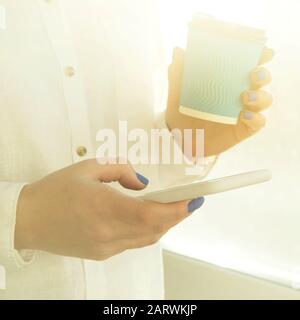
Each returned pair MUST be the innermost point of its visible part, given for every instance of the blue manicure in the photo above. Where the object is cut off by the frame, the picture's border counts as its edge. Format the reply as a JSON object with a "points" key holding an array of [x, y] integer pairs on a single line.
{"points": [[195, 204], [252, 96], [142, 179]]}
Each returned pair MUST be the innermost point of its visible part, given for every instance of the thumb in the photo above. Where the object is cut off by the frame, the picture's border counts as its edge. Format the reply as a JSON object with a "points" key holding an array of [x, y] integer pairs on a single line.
{"points": [[123, 173]]}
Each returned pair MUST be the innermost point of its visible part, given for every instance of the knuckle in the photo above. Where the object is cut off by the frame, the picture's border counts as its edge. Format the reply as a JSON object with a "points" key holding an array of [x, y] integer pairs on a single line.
{"points": [[153, 240], [102, 252], [100, 257], [103, 257], [147, 242]]}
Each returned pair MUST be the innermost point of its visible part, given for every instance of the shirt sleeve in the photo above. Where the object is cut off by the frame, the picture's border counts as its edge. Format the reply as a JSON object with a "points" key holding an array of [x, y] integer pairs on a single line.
{"points": [[176, 174], [9, 256]]}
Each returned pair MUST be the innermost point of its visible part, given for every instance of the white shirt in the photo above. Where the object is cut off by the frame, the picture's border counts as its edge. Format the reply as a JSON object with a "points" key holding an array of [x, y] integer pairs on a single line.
{"points": [[67, 69]]}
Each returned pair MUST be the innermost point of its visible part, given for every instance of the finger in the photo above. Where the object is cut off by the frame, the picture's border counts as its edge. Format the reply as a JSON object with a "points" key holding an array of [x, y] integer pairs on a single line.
{"points": [[191, 206], [249, 124], [160, 217], [257, 100], [266, 56], [260, 77], [102, 256], [137, 243], [123, 173], [149, 219], [127, 226]]}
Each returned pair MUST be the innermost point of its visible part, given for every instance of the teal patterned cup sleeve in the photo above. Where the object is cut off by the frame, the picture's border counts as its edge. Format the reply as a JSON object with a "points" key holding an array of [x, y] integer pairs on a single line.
{"points": [[218, 60]]}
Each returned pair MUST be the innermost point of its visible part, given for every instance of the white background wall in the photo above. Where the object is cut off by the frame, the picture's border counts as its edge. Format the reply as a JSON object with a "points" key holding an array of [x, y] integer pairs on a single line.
{"points": [[255, 230]]}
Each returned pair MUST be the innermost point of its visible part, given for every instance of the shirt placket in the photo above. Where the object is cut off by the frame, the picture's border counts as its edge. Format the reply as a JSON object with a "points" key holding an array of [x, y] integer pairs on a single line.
{"points": [[72, 80], [74, 92]]}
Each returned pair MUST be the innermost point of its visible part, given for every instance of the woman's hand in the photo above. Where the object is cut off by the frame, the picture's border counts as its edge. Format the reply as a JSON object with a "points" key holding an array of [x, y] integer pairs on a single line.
{"points": [[220, 137], [74, 212]]}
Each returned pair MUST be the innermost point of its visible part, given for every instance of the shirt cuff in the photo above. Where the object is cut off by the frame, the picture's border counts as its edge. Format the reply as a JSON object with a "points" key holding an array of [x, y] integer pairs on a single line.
{"points": [[19, 258]]}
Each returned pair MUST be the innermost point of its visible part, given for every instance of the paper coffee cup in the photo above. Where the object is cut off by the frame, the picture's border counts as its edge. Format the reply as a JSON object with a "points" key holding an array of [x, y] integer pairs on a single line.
{"points": [[218, 60]]}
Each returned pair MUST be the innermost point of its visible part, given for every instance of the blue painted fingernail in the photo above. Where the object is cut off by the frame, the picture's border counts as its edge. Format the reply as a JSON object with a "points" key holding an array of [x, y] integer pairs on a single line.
{"points": [[248, 115], [252, 96], [195, 204], [142, 179], [260, 75]]}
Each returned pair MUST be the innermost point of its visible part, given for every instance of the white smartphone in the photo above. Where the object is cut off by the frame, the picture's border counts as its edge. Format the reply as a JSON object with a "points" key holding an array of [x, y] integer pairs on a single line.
{"points": [[204, 188]]}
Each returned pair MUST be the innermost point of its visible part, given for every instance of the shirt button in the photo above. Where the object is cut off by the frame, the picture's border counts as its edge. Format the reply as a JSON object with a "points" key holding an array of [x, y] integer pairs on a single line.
{"points": [[81, 151], [69, 71]]}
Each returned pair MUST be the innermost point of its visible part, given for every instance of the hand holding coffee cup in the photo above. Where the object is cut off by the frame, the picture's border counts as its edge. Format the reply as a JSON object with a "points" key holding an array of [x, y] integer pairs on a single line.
{"points": [[229, 106]]}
